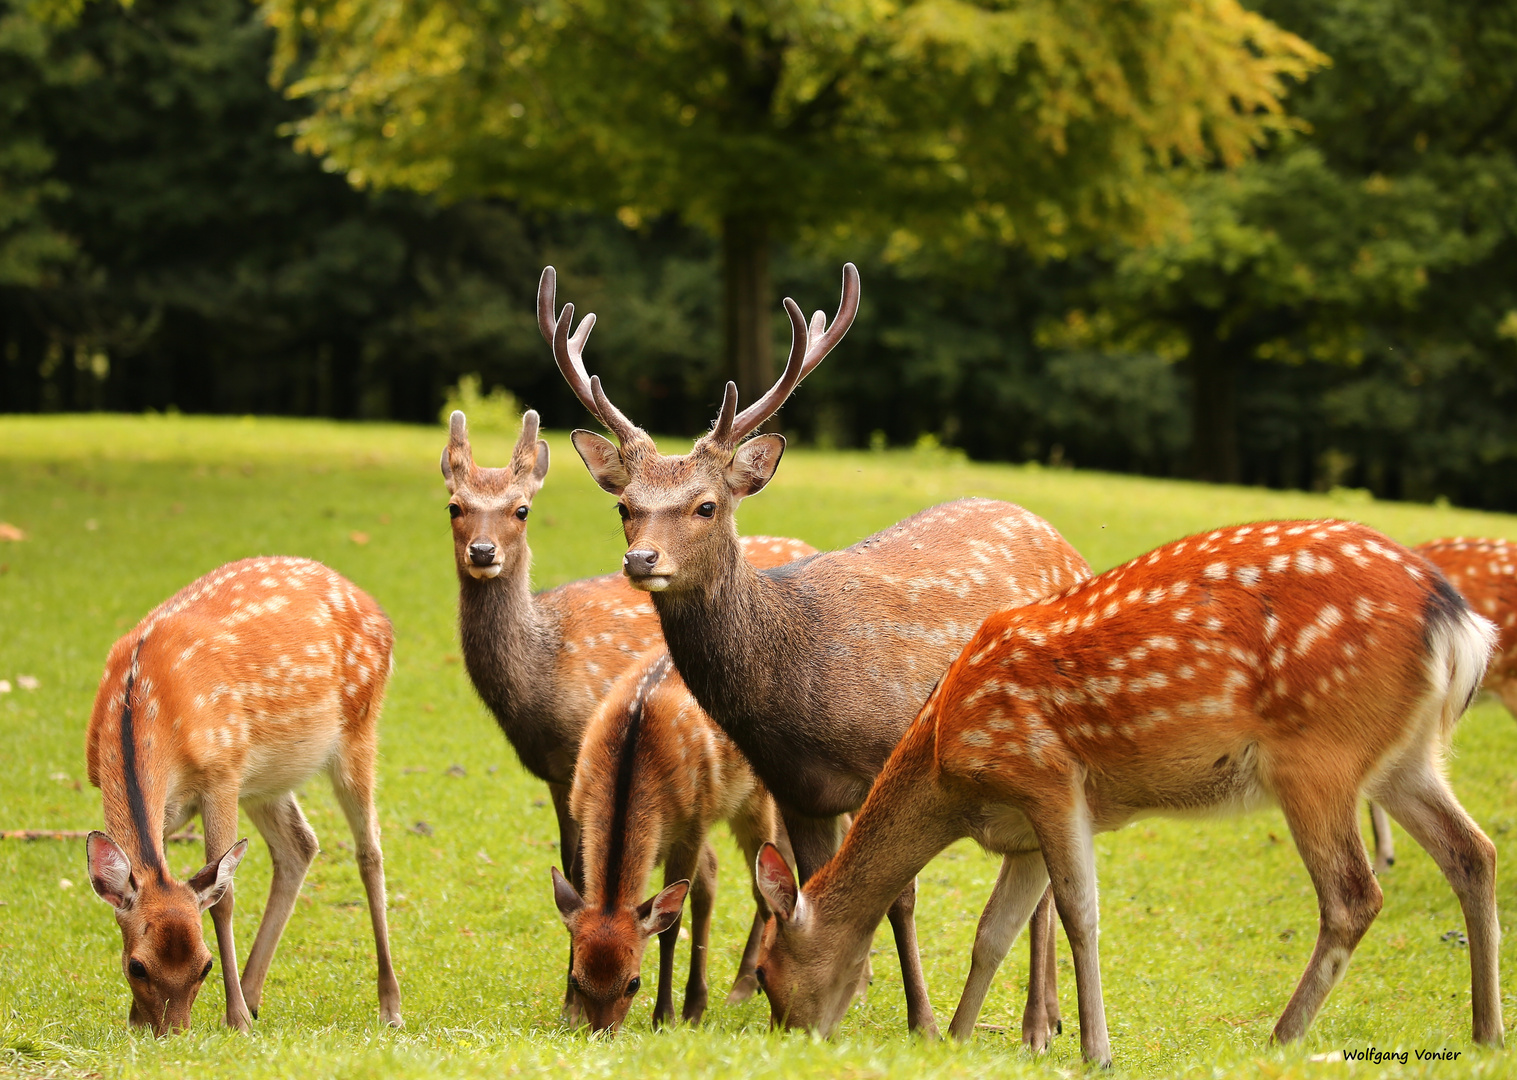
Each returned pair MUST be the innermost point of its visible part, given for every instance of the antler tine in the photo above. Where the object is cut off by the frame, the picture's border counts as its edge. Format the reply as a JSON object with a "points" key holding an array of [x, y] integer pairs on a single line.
{"points": [[616, 423], [566, 353], [547, 290], [722, 433], [848, 307], [765, 407]]}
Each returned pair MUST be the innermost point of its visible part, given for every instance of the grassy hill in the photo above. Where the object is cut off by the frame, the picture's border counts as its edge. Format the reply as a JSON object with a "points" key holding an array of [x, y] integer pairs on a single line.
{"points": [[1206, 925]]}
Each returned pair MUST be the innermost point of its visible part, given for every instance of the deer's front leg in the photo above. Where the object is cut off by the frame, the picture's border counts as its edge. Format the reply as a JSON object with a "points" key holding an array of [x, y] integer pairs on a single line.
{"points": [[218, 812], [1020, 882], [1065, 836], [573, 1014], [919, 1016]]}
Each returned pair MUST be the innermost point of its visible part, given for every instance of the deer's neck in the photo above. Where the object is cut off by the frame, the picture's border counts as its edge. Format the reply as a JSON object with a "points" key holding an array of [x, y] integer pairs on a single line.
{"points": [[508, 645], [737, 640]]}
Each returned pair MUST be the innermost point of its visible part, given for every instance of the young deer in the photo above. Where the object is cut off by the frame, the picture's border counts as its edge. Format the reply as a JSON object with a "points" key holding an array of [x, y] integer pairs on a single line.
{"points": [[654, 773], [816, 668], [1299, 663], [542, 662], [1485, 573], [238, 688]]}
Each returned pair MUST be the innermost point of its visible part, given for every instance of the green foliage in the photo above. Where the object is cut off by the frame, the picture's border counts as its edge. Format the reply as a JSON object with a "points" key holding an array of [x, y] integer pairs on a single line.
{"points": [[932, 121], [1205, 924], [495, 411]]}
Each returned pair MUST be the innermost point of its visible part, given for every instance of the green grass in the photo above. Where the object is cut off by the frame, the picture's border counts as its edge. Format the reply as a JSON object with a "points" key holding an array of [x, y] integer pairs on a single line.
{"points": [[1206, 925]]}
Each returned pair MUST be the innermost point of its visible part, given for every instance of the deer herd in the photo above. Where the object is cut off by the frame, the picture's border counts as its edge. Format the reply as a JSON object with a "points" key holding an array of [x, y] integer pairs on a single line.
{"points": [[848, 714]]}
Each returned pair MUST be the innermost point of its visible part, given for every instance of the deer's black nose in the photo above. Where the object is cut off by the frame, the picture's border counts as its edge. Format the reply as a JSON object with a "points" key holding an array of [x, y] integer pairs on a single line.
{"points": [[640, 560], [481, 553]]}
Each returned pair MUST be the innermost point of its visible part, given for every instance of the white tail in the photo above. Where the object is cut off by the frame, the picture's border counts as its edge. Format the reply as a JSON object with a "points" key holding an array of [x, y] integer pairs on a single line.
{"points": [[239, 688], [1301, 663]]}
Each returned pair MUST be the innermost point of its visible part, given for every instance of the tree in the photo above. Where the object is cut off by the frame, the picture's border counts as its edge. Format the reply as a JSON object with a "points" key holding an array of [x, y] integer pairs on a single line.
{"points": [[1045, 123], [1346, 238]]}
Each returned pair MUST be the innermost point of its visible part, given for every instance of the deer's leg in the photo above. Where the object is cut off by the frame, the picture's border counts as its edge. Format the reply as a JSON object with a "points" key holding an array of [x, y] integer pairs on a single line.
{"points": [[1065, 836], [568, 850], [1047, 919], [702, 897], [1022, 879], [1385, 844], [1419, 798], [353, 781], [292, 846], [683, 863], [755, 824], [1324, 824], [218, 812], [919, 1016]]}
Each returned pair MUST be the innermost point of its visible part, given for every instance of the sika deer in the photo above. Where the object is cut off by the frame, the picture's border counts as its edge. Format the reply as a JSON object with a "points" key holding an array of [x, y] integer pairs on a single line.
{"points": [[1299, 663], [654, 773], [1485, 573], [238, 688], [541, 662], [816, 668]]}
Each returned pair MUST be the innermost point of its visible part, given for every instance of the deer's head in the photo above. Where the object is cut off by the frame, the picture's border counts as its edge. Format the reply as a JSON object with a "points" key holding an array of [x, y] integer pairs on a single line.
{"points": [[807, 971], [678, 512], [609, 945], [163, 951], [489, 507]]}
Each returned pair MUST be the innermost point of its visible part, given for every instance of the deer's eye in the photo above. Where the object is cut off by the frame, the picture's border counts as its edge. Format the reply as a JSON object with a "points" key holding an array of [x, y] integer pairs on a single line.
{"points": [[205, 970], [632, 986], [706, 509], [455, 511], [137, 970], [621, 508], [521, 513]]}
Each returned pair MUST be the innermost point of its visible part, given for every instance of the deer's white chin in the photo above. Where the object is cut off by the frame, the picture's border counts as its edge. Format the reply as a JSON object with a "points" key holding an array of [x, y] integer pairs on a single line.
{"points": [[480, 573], [649, 584]]}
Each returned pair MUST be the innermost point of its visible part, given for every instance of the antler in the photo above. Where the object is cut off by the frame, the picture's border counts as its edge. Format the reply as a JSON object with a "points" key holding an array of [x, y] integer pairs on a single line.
{"points": [[809, 346], [568, 352]]}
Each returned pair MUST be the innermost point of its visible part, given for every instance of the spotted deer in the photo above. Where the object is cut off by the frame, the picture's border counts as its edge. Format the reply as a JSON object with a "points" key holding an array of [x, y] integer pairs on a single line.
{"points": [[541, 662], [813, 669], [1294, 663], [1485, 573], [654, 774], [238, 688]]}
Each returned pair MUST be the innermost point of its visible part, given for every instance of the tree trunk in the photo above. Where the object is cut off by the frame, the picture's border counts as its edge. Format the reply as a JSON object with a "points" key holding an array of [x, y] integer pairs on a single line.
{"points": [[1214, 403], [745, 267]]}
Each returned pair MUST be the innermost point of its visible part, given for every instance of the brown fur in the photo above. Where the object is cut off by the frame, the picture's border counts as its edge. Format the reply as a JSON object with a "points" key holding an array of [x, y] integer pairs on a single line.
{"points": [[816, 668], [242, 686], [1295, 663], [654, 774]]}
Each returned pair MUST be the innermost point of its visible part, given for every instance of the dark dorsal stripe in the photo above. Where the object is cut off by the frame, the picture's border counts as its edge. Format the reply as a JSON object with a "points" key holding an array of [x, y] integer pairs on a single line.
{"points": [[622, 795], [147, 845]]}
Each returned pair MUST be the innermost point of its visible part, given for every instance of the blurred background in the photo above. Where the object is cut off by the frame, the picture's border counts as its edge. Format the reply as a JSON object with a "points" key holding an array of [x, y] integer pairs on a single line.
{"points": [[1269, 243]]}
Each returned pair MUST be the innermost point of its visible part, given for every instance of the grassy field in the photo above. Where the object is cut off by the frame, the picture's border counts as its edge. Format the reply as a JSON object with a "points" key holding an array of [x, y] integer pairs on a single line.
{"points": [[1206, 926]]}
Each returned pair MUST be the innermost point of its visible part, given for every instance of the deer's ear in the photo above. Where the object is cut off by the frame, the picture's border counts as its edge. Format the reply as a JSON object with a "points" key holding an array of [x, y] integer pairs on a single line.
{"points": [[110, 871], [603, 460], [540, 467], [753, 465], [457, 456], [565, 897], [212, 880], [658, 913], [776, 883]]}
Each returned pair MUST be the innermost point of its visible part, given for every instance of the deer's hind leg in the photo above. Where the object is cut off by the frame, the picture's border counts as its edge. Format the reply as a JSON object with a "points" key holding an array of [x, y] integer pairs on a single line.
{"points": [[292, 846], [1385, 843], [353, 781], [1324, 823], [1418, 796]]}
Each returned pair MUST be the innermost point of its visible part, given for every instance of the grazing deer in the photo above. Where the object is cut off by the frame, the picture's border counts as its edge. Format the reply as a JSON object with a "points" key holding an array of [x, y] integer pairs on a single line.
{"points": [[1299, 663], [238, 688], [1485, 573], [542, 662], [653, 774], [815, 668]]}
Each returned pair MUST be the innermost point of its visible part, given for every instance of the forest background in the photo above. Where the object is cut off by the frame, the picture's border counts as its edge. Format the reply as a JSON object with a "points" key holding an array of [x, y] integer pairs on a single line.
{"points": [[1274, 244]]}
